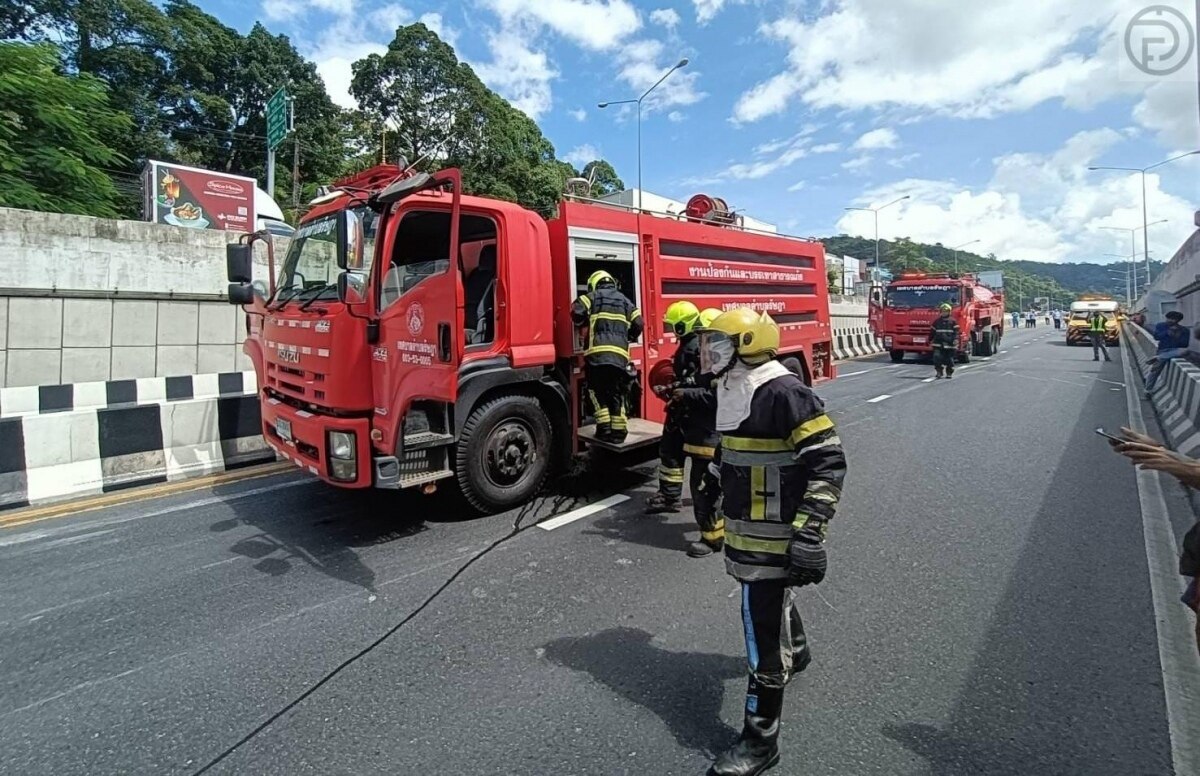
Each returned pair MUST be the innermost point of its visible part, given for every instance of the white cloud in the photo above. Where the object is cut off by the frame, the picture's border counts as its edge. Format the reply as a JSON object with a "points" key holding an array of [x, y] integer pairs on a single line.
{"points": [[280, 10], [877, 139], [598, 25], [798, 186], [387, 18], [675, 116], [579, 114], [1169, 109], [643, 62], [857, 164], [706, 10], [970, 59], [437, 24], [774, 156], [581, 155], [518, 72], [826, 148], [339, 7], [1045, 207], [339, 47], [667, 17], [902, 161]]}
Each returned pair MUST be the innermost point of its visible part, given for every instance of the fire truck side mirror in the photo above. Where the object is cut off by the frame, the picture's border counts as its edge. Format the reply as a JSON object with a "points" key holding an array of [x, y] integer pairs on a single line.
{"points": [[241, 293], [344, 237], [350, 288], [239, 258]]}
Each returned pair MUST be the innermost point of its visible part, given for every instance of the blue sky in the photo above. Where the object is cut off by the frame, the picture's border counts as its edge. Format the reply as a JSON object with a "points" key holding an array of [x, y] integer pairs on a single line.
{"points": [[986, 116]]}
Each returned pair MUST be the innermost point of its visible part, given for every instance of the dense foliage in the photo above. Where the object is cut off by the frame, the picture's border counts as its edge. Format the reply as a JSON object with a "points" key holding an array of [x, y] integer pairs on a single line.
{"points": [[172, 82]]}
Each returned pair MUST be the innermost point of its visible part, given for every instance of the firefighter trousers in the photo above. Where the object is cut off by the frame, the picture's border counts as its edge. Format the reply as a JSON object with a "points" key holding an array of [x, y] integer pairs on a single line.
{"points": [[606, 390], [1099, 346], [776, 645], [943, 359], [673, 452]]}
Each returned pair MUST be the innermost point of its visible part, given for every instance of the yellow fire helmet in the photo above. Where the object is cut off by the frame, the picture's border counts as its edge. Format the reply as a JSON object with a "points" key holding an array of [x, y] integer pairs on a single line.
{"points": [[750, 335], [598, 277], [945, 308], [682, 317], [707, 316]]}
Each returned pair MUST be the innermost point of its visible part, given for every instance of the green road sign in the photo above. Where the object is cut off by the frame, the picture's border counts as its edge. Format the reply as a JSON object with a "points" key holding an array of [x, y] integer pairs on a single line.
{"points": [[277, 125]]}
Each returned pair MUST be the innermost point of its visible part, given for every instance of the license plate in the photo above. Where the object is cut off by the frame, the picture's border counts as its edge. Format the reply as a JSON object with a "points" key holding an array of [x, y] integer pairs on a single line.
{"points": [[919, 340], [284, 429], [289, 356]]}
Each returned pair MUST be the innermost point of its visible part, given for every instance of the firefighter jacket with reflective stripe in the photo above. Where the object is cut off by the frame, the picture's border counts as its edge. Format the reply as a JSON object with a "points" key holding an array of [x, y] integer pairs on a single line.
{"points": [[695, 411], [780, 470], [945, 332], [613, 322]]}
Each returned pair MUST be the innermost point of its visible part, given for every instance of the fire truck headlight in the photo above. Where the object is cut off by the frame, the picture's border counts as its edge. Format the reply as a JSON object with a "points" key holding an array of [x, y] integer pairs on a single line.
{"points": [[887, 342], [346, 471], [341, 445]]}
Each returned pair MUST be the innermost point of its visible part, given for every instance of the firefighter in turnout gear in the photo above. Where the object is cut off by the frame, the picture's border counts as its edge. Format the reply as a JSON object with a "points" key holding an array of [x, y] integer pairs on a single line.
{"points": [[690, 431], [944, 339], [778, 471], [612, 322]]}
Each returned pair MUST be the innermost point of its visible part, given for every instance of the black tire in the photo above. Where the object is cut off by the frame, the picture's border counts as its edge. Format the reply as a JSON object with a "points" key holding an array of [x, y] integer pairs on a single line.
{"points": [[977, 347], [503, 454], [897, 356], [963, 357]]}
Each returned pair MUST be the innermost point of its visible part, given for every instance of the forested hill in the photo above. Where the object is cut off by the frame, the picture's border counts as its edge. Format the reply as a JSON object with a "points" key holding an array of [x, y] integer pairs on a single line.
{"points": [[1033, 278]]}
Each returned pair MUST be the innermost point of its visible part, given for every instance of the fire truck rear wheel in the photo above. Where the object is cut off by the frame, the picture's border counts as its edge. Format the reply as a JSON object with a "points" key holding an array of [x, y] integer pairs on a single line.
{"points": [[504, 453], [897, 356]]}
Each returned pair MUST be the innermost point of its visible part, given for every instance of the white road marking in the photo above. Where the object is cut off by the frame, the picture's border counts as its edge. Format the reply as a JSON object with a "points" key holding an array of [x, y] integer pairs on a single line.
{"points": [[855, 374], [582, 512], [1003, 351], [878, 399], [929, 379], [1176, 640]]}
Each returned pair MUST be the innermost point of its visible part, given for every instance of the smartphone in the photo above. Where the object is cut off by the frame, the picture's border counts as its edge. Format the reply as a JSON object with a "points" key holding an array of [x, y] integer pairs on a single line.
{"points": [[1107, 435]]}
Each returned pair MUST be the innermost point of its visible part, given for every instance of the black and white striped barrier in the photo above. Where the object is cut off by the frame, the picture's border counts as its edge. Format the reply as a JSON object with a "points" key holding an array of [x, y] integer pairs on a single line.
{"points": [[852, 338], [64, 441], [1176, 396]]}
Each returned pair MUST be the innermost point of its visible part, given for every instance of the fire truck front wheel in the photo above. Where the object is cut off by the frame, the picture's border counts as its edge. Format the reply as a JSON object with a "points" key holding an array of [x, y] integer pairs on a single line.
{"points": [[503, 453], [897, 356]]}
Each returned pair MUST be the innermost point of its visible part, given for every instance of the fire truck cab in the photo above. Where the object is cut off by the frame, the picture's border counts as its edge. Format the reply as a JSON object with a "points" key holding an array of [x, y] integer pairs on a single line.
{"points": [[415, 334]]}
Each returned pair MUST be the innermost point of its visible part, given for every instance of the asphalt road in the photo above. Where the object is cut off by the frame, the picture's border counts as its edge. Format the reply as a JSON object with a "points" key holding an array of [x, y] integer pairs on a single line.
{"points": [[987, 611]]}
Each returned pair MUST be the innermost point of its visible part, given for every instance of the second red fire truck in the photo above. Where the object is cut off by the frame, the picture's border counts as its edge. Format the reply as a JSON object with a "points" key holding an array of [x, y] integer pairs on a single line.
{"points": [[902, 313], [414, 334]]}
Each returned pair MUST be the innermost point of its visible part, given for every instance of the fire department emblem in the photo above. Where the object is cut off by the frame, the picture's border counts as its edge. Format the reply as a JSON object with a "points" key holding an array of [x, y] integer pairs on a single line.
{"points": [[416, 318]]}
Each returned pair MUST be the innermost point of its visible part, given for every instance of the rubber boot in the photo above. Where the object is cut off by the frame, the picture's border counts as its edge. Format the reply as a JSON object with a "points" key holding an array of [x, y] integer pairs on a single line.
{"points": [[703, 549], [949, 374], [939, 373], [757, 749], [659, 504]]}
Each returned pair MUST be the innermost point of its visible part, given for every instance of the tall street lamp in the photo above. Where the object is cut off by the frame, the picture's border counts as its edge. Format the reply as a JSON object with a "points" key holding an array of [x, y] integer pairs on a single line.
{"points": [[1145, 213], [956, 250], [1132, 257], [876, 210], [681, 63], [1128, 279]]}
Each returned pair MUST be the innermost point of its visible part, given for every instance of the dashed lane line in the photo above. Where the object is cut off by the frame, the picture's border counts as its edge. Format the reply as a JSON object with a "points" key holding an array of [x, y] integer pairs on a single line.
{"points": [[878, 399], [582, 512]]}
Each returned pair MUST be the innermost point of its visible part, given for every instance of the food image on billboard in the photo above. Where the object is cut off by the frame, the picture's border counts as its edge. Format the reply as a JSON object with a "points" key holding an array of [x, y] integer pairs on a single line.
{"points": [[199, 199]]}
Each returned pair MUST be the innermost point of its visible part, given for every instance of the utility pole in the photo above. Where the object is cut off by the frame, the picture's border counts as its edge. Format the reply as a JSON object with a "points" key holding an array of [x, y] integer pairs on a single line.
{"points": [[295, 157]]}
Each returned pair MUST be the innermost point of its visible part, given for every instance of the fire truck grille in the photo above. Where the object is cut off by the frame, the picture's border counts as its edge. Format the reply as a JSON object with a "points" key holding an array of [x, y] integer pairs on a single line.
{"points": [[296, 383]]}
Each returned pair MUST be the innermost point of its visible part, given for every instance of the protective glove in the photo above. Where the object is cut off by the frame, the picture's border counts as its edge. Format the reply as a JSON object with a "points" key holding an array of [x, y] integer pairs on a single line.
{"points": [[807, 560]]}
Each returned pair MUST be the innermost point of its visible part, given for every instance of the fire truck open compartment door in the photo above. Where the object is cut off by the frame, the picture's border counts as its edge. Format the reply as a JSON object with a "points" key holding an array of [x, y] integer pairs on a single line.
{"points": [[617, 254]]}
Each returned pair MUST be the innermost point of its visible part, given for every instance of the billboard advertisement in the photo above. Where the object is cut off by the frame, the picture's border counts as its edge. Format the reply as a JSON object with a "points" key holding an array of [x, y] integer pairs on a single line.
{"points": [[198, 199]]}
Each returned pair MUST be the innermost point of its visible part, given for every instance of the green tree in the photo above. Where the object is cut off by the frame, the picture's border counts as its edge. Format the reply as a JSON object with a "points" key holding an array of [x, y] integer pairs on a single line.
{"points": [[446, 117], [55, 135], [604, 178]]}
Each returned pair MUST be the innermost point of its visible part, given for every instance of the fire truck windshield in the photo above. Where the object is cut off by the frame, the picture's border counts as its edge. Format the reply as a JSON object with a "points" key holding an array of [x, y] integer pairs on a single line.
{"points": [[922, 297], [309, 272]]}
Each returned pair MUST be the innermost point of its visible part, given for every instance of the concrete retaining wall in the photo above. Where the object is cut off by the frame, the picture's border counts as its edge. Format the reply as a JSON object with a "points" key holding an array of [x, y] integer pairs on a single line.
{"points": [[1176, 397], [59, 442], [852, 336]]}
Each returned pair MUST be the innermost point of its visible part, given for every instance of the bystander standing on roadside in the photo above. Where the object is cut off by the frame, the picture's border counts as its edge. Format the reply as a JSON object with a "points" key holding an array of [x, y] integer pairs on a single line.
{"points": [[1147, 453], [1173, 339]]}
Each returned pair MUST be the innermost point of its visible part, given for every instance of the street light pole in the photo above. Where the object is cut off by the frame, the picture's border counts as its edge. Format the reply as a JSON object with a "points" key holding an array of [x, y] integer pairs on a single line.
{"points": [[956, 250], [1145, 229], [875, 211], [1145, 211], [681, 63]]}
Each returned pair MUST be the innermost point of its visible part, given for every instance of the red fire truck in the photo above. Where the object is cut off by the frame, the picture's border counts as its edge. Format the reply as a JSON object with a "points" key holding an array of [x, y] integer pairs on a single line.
{"points": [[415, 334], [902, 314]]}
